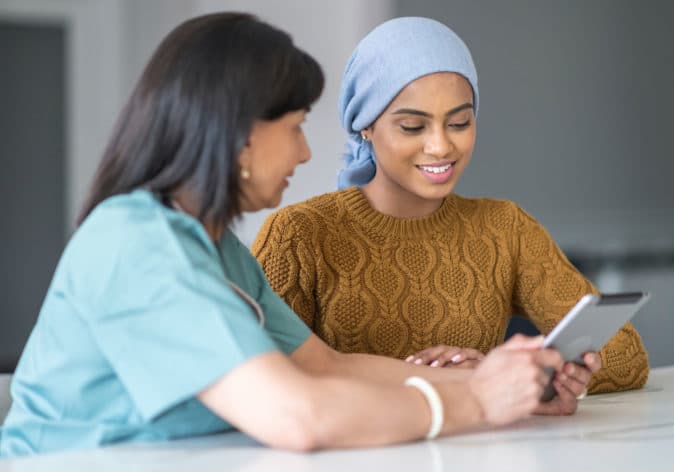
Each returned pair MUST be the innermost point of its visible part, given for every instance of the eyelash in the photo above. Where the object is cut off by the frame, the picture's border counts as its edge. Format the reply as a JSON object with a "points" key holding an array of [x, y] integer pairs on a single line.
{"points": [[416, 129]]}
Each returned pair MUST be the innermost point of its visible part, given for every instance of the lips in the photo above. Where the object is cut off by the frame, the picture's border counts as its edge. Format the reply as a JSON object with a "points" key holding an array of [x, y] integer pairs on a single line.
{"points": [[436, 169], [437, 173]]}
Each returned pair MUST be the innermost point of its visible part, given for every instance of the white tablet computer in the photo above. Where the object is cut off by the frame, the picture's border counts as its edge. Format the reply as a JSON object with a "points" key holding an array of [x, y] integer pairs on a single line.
{"points": [[590, 324]]}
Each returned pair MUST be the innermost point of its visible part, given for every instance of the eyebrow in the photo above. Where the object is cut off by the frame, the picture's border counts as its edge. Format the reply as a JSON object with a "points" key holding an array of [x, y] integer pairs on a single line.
{"points": [[412, 111]]}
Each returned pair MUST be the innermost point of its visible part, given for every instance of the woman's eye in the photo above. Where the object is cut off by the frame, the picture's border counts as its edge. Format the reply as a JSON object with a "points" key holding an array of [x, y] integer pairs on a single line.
{"points": [[411, 129], [463, 125]]}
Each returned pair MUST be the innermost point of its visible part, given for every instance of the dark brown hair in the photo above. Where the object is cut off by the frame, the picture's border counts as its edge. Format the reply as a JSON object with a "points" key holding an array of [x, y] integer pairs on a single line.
{"points": [[193, 108]]}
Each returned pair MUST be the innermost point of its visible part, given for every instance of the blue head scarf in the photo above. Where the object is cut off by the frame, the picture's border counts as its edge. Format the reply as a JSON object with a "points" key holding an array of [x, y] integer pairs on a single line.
{"points": [[394, 54]]}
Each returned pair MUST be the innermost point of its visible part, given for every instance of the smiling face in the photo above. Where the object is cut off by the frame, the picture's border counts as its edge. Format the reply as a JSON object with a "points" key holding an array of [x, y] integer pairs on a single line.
{"points": [[273, 151], [422, 143]]}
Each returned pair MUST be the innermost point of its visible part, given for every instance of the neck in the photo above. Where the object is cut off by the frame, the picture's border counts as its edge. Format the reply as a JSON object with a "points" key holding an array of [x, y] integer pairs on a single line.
{"points": [[185, 204], [392, 200]]}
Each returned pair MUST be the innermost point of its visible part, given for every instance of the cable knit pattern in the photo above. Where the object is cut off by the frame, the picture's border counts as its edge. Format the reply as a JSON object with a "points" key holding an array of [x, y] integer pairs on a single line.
{"points": [[367, 282]]}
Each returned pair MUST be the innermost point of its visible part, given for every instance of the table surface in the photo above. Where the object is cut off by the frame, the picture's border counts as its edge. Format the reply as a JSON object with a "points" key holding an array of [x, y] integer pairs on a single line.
{"points": [[619, 432]]}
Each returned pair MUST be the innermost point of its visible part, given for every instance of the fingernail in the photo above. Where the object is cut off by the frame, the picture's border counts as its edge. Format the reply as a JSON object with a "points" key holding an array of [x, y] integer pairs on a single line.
{"points": [[570, 369], [435, 363], [456, 358], [419, 361], [562, 378], [409, 359]]}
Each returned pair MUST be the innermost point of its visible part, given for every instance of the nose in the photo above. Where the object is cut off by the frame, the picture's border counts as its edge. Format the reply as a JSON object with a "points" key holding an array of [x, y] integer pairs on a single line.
{"points": [[438, 143], [305, 152]]}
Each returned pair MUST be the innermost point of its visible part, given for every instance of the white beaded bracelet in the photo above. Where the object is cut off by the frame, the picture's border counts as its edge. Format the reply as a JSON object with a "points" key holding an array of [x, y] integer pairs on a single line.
{"points": [[434, 402]]}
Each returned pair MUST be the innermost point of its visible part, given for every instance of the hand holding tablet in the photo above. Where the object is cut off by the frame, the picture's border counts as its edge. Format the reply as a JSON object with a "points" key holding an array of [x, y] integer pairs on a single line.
{"points": [[589, 325]]}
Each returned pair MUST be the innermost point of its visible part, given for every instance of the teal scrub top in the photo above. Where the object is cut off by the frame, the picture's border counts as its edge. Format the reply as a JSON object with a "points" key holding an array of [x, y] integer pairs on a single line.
{"points": [[139, 318]]}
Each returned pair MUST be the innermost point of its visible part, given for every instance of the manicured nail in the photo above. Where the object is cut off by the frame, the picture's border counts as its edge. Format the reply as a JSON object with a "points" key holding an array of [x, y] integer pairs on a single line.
{"points": [[435, 363], [409, 359], [456, 358], [419, 361]]}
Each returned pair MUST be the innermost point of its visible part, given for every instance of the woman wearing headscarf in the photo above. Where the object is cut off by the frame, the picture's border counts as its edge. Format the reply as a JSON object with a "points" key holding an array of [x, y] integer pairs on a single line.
{"points": [[395, 263]]}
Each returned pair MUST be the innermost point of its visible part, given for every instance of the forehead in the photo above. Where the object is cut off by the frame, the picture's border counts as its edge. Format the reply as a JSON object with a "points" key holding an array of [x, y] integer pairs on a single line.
{"points": [[438, 90]]}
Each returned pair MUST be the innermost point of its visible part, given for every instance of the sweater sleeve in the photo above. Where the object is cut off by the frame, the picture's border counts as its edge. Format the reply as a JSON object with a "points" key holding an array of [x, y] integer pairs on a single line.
{"points": [[547, 285], [282, 247]]}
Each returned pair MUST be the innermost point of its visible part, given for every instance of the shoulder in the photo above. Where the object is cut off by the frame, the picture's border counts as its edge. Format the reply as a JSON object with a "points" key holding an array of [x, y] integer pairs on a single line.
{"points": [[307, 219], [116, 223], [497, 213], [327, 206], [133, 234], [136, 219]]}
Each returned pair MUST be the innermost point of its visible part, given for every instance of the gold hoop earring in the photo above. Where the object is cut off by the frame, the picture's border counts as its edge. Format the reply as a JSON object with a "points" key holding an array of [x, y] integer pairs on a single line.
{"points": [[245, 173]]}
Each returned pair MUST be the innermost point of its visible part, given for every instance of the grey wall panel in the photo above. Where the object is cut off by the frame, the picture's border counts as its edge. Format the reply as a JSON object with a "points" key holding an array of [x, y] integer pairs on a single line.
{"points": [[32, 168], [575, 118]]}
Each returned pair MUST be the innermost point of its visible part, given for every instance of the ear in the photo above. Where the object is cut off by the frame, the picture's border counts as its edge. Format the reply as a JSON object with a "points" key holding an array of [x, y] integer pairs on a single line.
{"points": [[245, 155]]}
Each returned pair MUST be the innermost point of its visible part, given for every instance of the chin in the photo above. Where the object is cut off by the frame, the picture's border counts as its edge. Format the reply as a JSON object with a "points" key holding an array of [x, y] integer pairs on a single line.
{"points": [[436, 192], [273, 202]]}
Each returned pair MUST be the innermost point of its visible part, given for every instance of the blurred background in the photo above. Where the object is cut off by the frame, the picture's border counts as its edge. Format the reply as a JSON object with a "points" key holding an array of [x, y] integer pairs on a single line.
{"points": [[574, 125]]}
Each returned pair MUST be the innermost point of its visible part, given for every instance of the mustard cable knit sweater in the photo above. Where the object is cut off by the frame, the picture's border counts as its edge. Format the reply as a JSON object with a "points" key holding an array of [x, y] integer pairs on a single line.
{"points": [[367, 282]]}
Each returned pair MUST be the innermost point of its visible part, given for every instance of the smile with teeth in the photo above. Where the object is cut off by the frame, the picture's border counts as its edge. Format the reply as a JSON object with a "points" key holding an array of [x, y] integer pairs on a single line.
{"points": [[436, 169]]}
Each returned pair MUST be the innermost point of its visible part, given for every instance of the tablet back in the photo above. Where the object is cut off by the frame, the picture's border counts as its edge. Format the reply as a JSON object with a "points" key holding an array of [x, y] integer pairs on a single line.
{"points": [[592, 322]]}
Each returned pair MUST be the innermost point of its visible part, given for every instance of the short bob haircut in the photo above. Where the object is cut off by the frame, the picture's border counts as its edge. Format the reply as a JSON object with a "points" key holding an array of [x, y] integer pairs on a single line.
{"points": [[194, 106]]}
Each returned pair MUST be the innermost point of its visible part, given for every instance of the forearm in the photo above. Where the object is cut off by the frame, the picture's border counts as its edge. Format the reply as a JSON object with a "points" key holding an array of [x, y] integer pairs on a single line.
{"points": [[359, 413], [282, 406], [389, 371], [625, 364], [624, 359], [317, 358], [353, 412]]}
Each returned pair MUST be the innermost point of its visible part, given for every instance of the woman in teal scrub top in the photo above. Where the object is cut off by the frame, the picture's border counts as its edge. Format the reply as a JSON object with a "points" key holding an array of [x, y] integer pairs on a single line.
{"points": [[159, 323]]}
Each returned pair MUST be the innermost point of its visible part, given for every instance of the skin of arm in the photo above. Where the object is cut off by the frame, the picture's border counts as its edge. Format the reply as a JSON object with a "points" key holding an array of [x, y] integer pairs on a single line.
{"points": [[316, 357], [279, 403], [276, 402]]}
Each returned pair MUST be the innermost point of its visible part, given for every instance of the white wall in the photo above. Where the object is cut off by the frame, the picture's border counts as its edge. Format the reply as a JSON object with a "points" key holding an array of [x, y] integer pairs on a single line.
{"points": [[143, 25]]}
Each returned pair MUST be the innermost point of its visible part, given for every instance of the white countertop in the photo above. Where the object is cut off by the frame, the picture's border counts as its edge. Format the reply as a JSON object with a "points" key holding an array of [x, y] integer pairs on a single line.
{"points": [[629, 431]]}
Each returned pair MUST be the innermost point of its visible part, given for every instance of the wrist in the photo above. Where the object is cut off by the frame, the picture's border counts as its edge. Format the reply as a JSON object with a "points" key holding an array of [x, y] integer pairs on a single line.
{"points": [[463, 410], [474, 403], [434, 401]]}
